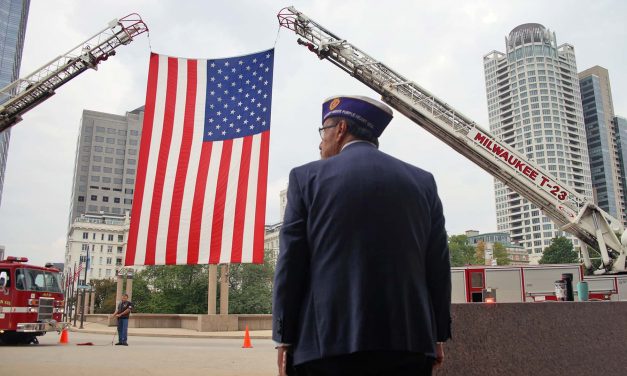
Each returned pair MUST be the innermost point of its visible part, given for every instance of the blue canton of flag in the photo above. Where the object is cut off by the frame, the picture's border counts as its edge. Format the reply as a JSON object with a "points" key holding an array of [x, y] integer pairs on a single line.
{"points": [[239, 94]]}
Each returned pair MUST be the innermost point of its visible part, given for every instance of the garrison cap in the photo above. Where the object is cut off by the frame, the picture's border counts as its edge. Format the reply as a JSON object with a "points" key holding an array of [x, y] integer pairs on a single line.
{"points": [[367, 112]]}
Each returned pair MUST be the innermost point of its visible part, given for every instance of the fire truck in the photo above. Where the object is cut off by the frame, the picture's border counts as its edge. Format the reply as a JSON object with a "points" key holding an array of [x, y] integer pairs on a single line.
{"points": [[565, 205], [528, 283], [31, 300]]}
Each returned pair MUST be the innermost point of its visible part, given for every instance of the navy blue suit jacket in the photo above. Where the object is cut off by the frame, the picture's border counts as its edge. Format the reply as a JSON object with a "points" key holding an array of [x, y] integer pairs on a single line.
{"points": [[364, 262]]}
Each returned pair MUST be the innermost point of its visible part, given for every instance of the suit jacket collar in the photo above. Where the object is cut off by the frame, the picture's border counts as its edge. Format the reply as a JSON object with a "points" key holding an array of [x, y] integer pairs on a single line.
{"points": [[354, 142]]}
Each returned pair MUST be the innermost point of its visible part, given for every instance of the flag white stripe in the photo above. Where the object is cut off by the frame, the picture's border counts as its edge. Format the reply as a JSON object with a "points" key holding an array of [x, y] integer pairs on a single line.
{"points": [[151, 168], [210, 196], [194, 161], [172, 163], [230, 200], [251, 201]]}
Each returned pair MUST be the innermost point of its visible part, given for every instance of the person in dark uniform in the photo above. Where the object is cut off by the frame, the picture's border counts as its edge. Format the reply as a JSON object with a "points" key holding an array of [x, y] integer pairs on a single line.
{"points": [[363, 282], [122, 313]]}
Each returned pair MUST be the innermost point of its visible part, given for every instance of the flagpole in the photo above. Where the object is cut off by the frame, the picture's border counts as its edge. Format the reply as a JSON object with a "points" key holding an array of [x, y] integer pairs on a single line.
{"points": [[83, 293], [73, 294]]}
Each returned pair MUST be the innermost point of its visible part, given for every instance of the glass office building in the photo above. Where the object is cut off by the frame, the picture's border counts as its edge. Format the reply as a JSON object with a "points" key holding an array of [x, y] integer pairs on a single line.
{"points": [[13, 17]]}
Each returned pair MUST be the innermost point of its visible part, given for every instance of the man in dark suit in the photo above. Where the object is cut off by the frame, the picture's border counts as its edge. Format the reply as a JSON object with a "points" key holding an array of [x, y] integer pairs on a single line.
{"points": [[362, 283]]}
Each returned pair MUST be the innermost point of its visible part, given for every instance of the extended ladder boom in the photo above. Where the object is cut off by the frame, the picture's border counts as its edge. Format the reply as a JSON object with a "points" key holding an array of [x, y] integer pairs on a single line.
{"points": [[565, 205], [25, 93]]}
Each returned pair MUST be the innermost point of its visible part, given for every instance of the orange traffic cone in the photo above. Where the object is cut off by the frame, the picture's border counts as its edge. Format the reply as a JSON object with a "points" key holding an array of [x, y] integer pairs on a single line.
{"points": [[247, 344], [64, 339]]}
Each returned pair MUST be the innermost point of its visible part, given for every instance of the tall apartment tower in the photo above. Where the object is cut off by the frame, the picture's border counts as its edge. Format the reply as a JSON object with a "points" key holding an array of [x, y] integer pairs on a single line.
{"points": [[534, 105], [106, 164], [13, 17], [598, 114], [620, 130]]}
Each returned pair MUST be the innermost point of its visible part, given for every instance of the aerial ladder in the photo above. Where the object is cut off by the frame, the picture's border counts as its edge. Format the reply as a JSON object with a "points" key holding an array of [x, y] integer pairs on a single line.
{"points": [[563, 204], [25, 93]]}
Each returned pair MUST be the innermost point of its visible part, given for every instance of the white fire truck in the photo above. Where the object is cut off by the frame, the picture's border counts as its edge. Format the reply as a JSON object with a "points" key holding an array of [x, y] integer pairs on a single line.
{"points": [[31, 300], [529, 283], [565, 205]]}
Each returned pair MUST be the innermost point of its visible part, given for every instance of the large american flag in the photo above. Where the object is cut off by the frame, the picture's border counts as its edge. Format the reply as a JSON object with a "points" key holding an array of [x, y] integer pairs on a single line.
{"points": [[200, 193]]}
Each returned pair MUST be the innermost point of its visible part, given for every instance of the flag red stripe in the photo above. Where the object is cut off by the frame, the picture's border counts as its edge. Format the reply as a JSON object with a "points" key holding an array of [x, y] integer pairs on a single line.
{"points": [[162, 161], [183, 163], [193, 248], [220, 201], [240, 203], [262, 186], [144, 150]]}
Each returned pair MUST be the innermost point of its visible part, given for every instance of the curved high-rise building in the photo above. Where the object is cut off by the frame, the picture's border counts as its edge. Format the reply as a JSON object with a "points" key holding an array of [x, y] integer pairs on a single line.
{"points": [[534, 105], [13, 17]]}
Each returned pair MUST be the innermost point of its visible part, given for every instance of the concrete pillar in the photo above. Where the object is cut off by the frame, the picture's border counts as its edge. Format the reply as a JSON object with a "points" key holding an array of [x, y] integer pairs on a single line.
{"points": [[118, 292], [79, 305], [86, 302], [92, 302], [224, 289], [129, 286], [212, 289]]}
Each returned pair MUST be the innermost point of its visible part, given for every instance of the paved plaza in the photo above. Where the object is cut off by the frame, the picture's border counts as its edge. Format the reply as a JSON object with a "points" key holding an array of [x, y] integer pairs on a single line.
{"points": [[184, 355]]}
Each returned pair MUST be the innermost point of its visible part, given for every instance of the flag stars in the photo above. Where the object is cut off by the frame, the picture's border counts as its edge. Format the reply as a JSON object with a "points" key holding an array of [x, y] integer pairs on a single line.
{"points": [[232, 112], [219, 99], [231, 125], [239, 90], [211, 120], [264, 109], [211, 106], [218, 126], [254, 60], [233, 70], [226, 63], [212, 92], [232, 83], [265, 96], [220, 84], [218, 113], [246, 121], [240, 62], [212, 79], [240, 76], [237, 130], [239, 117], [233, 98], [247, 82], [254, 73], [258, 118], [224, 119], [239, 104], [219, 71], [248, 67], [267, 69], [213, 65], [223, 133], [263, 122], [258, 104], [265, 82], [267, 56], [247, 95]]}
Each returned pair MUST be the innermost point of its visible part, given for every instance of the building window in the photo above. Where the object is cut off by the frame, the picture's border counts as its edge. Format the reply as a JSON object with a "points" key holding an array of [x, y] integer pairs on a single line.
{"points": [[120, 250], [85, 235], [94, 198], [108, 260], [128, 201], [118, 262], [109, 249], [116, 200], [105, 199], [120, 238], [110, 237], [108, 272], [81, 198], [85, 247]]}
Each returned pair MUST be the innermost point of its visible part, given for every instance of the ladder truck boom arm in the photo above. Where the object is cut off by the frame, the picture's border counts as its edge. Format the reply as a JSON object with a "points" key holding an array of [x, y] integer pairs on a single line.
{"points": [[563, 204], [25, 93]]}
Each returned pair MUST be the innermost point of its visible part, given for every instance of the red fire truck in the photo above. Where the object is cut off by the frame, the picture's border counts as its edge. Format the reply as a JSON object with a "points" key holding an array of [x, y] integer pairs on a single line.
{"points": [[529, 283], [31, 300]]}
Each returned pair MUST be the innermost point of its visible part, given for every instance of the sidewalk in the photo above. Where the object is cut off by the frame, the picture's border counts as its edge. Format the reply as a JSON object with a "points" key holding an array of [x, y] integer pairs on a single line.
{"points": [[99, 328]]}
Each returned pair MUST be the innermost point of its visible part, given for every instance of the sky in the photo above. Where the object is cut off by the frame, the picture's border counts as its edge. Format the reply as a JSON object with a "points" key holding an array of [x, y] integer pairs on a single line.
{"points": [[438, 44]]}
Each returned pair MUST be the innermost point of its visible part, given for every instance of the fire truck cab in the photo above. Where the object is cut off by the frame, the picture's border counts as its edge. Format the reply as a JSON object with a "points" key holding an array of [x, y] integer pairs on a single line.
{"points": [[31, 300]]}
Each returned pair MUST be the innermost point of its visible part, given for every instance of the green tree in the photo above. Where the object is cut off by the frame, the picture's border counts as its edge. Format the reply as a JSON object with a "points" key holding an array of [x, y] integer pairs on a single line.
{"points": [[559, 252], [461, 252], [105, 295], [499, 253], [171, 289], [250, 287]]}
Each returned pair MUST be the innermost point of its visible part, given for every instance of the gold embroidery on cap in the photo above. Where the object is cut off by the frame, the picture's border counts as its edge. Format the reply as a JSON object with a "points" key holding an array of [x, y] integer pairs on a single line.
{"points": [[334, 104]]}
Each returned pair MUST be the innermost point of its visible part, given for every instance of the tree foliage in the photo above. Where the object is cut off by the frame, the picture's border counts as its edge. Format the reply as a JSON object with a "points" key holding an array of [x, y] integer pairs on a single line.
{"points": [[461, 252], [499, 253], [105, 295], [171, 289], [250, 287], [559, 252]]}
